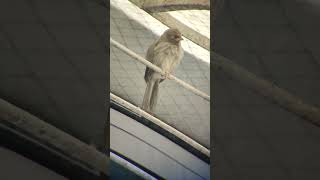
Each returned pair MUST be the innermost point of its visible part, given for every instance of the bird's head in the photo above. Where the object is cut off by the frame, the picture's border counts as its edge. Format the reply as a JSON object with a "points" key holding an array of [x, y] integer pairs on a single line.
{"points": [[173, 35]]}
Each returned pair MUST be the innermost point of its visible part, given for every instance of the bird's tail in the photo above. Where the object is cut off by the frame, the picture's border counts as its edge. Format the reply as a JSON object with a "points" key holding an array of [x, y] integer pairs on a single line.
{"points": [[150, 97], [154, 96], [147, 74], [146, 98]]}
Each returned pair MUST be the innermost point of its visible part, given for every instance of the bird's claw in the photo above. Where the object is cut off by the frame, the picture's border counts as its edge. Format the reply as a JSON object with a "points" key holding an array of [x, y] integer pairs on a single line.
{"points": [[167, 75]]}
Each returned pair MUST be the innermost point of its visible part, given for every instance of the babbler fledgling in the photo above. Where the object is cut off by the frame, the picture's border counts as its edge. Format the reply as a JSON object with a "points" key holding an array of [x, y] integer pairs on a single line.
{"points": [[166, 53]]}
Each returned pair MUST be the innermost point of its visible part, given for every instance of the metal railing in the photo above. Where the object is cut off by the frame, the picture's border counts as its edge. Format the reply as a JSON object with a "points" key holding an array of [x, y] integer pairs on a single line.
{"points": [[157, 69], [161, 124], [151, 118]]}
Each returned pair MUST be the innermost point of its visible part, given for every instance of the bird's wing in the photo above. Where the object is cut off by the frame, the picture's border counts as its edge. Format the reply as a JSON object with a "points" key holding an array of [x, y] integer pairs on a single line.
{"points": [[180, 56], [150, 53], [155, 55], [149, 57]]}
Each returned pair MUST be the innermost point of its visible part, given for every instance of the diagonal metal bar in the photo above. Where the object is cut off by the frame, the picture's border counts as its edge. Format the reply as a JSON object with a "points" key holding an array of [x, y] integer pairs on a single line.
{"points": [[157, 69]]}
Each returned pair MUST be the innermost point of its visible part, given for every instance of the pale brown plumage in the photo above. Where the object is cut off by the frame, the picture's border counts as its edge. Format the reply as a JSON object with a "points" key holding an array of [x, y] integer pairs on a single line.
{"points": [[166, 53]]}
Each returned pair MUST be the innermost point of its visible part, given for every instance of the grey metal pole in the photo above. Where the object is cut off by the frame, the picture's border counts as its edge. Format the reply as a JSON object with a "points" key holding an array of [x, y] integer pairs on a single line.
{"points": [[157, 69]]}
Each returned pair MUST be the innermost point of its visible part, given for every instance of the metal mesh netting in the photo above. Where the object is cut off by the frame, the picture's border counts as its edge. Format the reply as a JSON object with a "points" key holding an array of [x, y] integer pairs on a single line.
{"points": [[177, 106]]}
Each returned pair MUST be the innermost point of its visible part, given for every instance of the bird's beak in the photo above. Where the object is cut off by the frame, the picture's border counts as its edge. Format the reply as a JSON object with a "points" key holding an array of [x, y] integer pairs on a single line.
{"points": [[180, 39]]}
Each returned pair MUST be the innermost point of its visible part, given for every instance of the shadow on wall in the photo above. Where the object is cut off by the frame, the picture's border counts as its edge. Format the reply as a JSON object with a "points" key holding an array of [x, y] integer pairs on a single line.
{"points": [[279, 41], [267, 37]]}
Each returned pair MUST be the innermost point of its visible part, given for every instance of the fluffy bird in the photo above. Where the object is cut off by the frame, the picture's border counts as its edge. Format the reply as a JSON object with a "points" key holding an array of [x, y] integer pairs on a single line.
{"points": [[166, 53]]}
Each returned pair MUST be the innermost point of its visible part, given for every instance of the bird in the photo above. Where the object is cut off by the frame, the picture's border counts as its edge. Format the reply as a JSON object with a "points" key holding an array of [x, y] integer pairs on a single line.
{"points": [[166, 53]]}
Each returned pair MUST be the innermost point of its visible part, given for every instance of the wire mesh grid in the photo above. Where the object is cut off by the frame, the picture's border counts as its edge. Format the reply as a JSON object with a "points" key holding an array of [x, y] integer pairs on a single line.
{"points": [[177, 106]]}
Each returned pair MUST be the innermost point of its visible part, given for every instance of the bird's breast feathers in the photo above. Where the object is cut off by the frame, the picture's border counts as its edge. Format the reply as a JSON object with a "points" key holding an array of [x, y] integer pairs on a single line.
{"points": [[166, 54]]}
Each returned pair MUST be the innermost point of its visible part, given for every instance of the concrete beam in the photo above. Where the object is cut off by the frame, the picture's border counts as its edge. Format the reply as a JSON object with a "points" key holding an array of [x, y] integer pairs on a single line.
{"points": [[52, 138], [191, 34], [153, 6], [267, 89]]}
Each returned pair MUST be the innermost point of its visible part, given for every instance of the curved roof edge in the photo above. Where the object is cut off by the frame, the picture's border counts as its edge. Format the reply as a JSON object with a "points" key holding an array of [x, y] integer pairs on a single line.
{"points": [[161, 131]]}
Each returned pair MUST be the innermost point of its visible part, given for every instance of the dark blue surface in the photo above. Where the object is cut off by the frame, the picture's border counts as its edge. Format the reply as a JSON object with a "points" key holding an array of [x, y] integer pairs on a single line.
{"points": [[119, 172]]}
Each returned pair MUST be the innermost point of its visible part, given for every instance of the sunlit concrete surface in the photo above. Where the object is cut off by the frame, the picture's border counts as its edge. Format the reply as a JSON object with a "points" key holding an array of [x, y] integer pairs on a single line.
{"points": [[178, 107], [170, 5], [198, 20], [157, 28]]}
